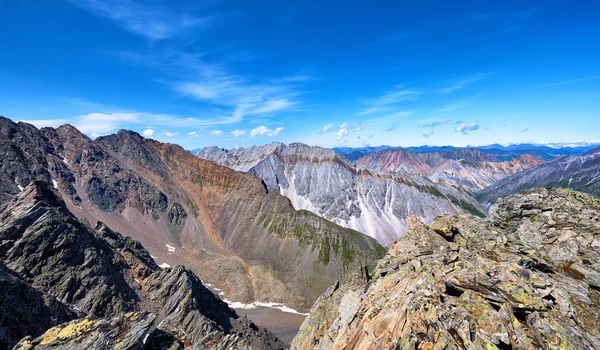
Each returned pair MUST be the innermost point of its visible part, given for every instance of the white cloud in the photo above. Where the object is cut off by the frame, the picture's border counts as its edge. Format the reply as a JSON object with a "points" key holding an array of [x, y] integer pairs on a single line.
{"points": [[171, 134], [238, 133], [152, 21], [148, 133], [344, 130], [327, 127], [102, 123], [465, 128], [193, 133], [216, 132], [264, 131], [40, 123]]}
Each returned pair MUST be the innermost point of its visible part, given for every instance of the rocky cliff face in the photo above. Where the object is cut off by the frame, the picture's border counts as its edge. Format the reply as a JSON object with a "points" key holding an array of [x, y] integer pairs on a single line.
{"points": [[106, 287], [222, 224], [328, 185], [525, 278], [467, 169], [581, 173]]}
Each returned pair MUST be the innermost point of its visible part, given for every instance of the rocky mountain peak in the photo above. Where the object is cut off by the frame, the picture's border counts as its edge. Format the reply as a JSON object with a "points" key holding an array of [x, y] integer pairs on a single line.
{"points": [[107, 287], [525, 278]]}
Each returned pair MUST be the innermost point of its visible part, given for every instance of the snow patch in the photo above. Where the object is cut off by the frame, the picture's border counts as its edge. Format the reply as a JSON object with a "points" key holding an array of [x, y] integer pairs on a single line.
{"points": [[170, 248], [63, 159], [254, 305], [164, 266], [21, 188], [54, 183]]}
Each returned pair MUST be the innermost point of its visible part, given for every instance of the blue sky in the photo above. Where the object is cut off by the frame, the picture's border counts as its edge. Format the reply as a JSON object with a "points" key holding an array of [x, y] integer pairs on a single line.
{"points": [[331, 73]]}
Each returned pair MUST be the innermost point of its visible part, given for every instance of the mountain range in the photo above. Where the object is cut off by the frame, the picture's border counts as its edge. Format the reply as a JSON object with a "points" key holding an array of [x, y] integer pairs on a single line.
{"points": [[323, 182], [222, 224], [126, 242], [501, 152]]}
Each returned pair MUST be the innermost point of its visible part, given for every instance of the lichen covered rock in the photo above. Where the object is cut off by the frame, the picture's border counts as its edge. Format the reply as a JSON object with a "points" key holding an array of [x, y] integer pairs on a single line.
{"points": [[525, 278]]}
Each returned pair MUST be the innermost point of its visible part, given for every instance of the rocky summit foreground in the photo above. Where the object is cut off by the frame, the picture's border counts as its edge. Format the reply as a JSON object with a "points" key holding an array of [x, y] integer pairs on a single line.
{"points": [[528, 277], [66, 285]]}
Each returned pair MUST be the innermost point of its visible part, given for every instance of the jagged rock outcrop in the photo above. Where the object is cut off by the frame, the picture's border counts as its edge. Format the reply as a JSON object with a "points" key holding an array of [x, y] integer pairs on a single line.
{"points": [[581, 173], [107, 286], [467, 169], [222, 224], [319, 180], [525, 278], [26, 310]]}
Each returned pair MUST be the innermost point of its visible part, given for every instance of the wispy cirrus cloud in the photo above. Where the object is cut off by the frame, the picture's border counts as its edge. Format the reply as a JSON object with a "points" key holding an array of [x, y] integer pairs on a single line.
{"points": [[508, 17], [572, 81], [387, 119], [463, 82], [233, 96], [459, 104], [396, 95], [434, 124], [153, 21], [372, 110], [466, 128], [427, 135]]}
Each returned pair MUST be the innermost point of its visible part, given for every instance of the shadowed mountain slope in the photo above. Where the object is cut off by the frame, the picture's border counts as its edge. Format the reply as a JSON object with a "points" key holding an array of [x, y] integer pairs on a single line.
{"points": [[107, 286]]}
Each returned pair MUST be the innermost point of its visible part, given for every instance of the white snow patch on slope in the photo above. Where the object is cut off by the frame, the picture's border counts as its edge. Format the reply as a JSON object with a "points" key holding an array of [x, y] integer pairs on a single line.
{"points": [[54, 183], [170, 248], [21, 188], [63, 159], [254, 305], [164, 266]]}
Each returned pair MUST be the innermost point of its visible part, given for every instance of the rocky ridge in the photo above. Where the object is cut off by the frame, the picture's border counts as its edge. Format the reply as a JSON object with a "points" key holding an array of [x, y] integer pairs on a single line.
{"points": [[319, 180], [527, 277], [222, 224], [107, 287]]}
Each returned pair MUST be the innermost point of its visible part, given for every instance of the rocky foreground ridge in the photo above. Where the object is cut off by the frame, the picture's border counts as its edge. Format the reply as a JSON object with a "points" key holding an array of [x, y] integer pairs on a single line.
{"points": [[66, 285], [527, 277]]}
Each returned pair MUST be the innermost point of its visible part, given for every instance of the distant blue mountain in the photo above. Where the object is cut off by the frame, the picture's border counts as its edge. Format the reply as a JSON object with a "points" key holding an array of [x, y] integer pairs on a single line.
{"points": [[499, 151]]}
